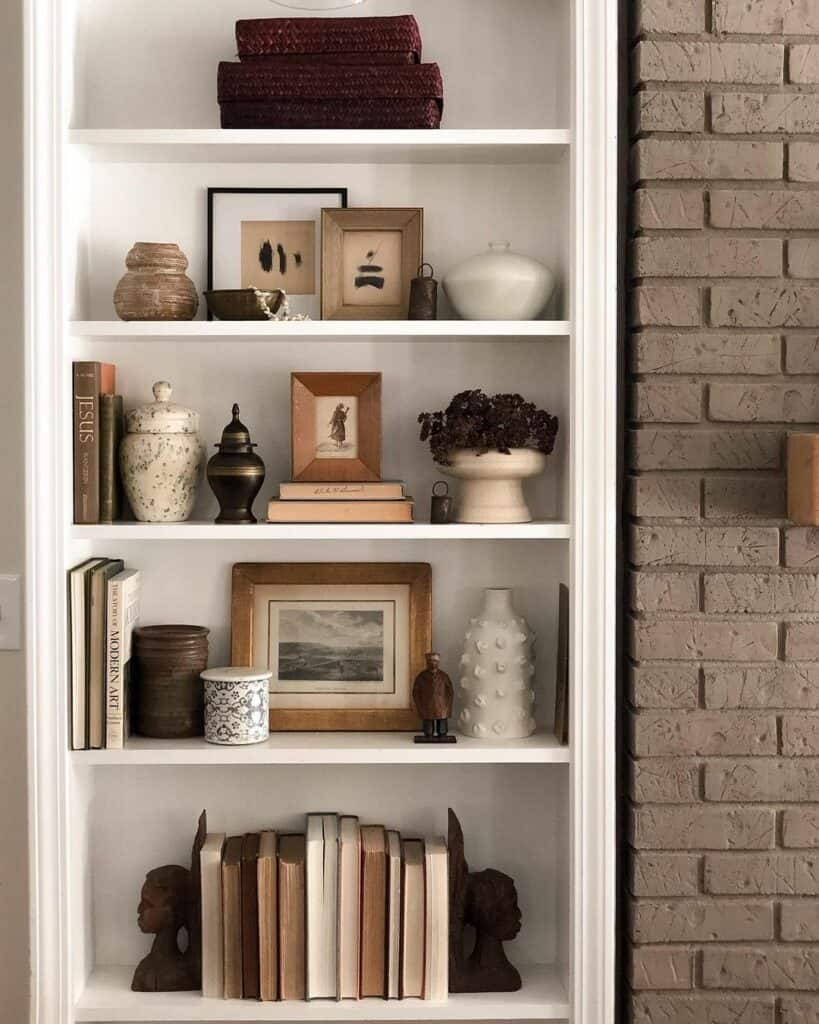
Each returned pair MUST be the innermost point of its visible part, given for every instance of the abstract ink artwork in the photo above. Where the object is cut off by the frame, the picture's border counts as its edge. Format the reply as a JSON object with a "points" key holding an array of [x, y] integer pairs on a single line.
{"points": [[279, 254], [372, 268]]}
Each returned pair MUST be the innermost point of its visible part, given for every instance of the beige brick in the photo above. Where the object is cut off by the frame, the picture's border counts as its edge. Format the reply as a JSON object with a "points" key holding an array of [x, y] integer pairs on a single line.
{"points": [[663, 874], [802, 641], [701, 921], [802, 547], [659, 1008], [660, 967], [668, 208], [763, 403], [800, 828], [802, 353], [706, 353], [687, 639], [657, 781], [803, 257], [803, 161], [766, 17], [775, 209], [803, 1009], [768, 874], [761, 593], [799, 921], [664, 686], [669, 16], [652, 496], [705, 449], [702, 734], [800, 736], [702, 828], [768, 686], [764, 780], [675, 61], [666, 403], [666, 111], [778, 968], [744, 499], [684, 159], [803, 63], [665, 591], [665, 305], [754, 113], [706, 256], [705, 545], [775, 305]]}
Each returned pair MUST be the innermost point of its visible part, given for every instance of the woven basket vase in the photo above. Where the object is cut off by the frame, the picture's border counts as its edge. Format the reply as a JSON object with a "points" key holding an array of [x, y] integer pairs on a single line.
{"points": [[155, 286]]}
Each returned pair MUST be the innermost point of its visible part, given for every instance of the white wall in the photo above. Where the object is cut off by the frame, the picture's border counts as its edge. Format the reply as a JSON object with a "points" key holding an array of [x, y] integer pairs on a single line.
{"points": [[14, 945]]}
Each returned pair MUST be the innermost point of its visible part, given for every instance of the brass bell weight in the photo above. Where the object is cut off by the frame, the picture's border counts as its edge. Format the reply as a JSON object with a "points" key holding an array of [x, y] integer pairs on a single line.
{"points": [[423, 303]]}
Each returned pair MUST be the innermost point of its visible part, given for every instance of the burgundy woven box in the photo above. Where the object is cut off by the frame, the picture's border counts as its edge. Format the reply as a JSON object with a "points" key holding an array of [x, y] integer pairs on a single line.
{"points": [[385, 40], [361, 113]]}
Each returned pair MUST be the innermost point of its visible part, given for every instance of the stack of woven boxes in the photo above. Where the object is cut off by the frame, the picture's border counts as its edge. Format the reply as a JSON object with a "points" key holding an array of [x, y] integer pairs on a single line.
{"points": [[329, 73]]}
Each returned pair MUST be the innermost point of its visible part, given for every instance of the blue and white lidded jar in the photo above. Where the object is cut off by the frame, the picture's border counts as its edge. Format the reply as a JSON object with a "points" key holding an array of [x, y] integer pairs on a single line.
{"points": [[236, 705]]}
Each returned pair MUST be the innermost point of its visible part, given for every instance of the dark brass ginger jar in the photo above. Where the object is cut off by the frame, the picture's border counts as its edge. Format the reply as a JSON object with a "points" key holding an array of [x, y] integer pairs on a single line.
{"points": [[235, 473]]}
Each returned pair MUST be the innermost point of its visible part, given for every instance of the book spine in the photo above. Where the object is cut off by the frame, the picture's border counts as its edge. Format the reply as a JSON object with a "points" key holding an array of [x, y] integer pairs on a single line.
{"points": [[110, 436], [113, 669], [86, 391]]}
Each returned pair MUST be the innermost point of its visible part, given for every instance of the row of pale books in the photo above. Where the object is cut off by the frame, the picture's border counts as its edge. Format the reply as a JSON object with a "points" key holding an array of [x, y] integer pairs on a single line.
{"points": [[377, 501], [345, 911], [103, 611]]}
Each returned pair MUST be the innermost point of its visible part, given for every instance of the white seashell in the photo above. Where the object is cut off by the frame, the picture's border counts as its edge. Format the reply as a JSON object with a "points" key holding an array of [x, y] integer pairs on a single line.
{"points": [[499, 728], [478, 671], [479, 701], [500, 694], [465, 715], [482, 646], [478, 729], [500, 666], [500, 642]]}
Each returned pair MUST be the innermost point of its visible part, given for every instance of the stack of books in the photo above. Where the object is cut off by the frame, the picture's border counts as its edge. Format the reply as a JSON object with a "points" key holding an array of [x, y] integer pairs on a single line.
{"points": [[380, 501], [340, 912], [98, 427], [103, 609]]}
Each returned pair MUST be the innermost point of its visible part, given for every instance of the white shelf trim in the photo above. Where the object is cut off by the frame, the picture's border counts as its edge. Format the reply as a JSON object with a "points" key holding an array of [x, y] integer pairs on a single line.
{"points": [[196, 330], [108, 998], [321, 531], [331, 748]]}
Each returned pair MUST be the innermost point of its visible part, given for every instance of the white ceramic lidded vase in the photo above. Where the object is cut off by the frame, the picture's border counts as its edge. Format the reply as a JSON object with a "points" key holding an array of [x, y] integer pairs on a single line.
{"points": [[236, 705], [499, 285], [160, 459], [497, 672]]}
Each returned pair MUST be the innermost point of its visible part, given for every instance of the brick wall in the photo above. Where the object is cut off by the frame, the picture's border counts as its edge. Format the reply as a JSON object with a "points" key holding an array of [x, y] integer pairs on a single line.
{"points": [[723, 357]]}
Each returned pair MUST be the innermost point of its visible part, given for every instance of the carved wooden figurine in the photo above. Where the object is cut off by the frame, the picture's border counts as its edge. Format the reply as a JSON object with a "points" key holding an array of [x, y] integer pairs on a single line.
{"points": [[433, 695], [170, 901], [486, 900]]}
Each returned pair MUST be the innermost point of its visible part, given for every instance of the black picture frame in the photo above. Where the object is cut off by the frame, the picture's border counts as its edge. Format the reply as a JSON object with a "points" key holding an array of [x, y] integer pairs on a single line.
{"points": [[342, 193]]}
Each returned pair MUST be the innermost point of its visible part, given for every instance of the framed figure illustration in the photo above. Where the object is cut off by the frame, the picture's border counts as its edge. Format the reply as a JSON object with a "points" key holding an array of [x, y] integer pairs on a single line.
{"points": [[270, 238]]}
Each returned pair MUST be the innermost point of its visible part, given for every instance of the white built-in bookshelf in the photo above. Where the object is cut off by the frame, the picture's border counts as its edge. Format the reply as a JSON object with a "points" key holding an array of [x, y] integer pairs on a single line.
{"points": [[121, 144]]}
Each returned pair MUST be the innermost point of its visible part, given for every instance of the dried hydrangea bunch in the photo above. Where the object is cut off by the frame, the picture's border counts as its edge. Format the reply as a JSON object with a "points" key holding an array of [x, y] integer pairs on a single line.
{"points": [[487, 423]]}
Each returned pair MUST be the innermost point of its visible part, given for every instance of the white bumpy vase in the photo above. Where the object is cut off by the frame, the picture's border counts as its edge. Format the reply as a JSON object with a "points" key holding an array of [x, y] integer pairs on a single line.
{"points": [[499, 285], [497, 673], [490, 484]]}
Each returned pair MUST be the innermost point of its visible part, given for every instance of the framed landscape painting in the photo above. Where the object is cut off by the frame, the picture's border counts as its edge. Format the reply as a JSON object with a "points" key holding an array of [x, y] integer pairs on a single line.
{"points": [[344, 640]]}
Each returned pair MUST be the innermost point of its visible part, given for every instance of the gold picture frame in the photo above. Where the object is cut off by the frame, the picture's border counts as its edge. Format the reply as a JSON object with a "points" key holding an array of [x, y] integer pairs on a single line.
{"points": [[368, 260], [344, 640]]}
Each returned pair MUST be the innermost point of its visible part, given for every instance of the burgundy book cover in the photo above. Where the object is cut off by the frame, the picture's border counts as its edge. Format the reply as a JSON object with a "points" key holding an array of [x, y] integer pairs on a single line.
{"points": [[352, 114], [323, 36], [310, 82]]}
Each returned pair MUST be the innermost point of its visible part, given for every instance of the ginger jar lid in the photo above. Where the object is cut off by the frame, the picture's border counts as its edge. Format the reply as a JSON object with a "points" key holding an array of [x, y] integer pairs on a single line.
{"points": [[162, 416]]}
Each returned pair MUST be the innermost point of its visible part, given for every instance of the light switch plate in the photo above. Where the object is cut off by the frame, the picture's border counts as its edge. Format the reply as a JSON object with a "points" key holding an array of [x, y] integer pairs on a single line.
{"points": [[11, 613]]}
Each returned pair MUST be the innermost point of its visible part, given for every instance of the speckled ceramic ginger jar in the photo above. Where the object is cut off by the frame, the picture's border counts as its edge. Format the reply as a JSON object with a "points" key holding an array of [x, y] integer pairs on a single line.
{"points": [[155, 286], [236, 705], [497, 670], [160, 459]]}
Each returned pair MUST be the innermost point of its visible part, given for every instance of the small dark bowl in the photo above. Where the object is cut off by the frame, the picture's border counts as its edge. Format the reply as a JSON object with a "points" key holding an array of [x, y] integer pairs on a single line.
{"points": [[242, 303]]}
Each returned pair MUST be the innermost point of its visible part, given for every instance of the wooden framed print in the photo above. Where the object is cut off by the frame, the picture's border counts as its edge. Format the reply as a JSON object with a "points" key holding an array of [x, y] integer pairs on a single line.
{"points": [[335, 426], [343, 641], [369, 257], [269, 238]]}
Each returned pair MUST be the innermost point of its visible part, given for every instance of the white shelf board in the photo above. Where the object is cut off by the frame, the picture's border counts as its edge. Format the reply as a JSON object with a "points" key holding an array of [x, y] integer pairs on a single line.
{"points": [[218, 145], [108, 998], [195, 330], [367, 748], [322, 531]]}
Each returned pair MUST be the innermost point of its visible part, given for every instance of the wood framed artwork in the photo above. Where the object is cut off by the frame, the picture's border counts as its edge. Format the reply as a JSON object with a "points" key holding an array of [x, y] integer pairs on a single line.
{"points": [[344, 640], [269, 238], [335, 426], [369, 257]]}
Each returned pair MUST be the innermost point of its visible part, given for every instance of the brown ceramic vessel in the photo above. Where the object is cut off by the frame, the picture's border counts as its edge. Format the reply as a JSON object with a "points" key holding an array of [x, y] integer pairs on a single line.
{"points": [[155, 286], [168, 661]]}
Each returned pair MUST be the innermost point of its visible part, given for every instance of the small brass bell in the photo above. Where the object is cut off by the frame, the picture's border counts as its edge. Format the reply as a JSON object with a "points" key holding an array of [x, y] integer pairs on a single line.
{"points": [[423, 304]]}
